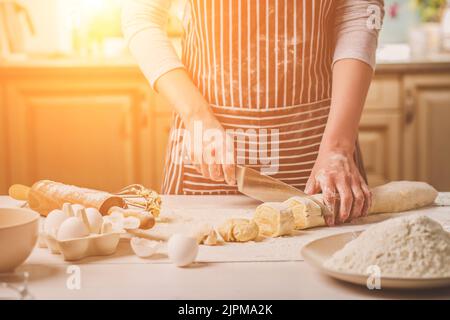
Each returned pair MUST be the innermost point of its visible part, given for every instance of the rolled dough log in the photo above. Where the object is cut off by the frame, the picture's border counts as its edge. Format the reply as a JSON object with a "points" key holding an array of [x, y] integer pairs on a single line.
{"points": [[397, 196], [401, 196], [307, 213], [239, 230], [274, 219]]}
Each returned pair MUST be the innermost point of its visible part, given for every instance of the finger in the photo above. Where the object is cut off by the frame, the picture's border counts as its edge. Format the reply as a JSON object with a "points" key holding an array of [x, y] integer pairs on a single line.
{"points": [[330, 200], [215, 172], [312, 186], [359, 200], [196, 165], [229, 161], [198, 168], [229, 172], [343, 186], [368, 198], [205, 170]]}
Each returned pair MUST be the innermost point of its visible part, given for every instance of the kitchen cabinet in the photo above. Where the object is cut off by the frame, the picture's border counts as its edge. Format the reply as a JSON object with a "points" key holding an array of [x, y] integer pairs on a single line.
{"points": [[161, 130], [3, 141], [90, 131], [427, 133], [380, 130], [380, 141], [101, 126]]}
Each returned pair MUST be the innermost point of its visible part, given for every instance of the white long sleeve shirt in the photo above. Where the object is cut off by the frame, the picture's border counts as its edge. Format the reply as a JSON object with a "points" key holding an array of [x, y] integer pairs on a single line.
{"points": [[356, 28]]}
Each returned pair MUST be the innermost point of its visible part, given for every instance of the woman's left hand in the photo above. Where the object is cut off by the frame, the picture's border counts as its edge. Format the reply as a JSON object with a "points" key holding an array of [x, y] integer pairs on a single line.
{"points": [[345, 192]]}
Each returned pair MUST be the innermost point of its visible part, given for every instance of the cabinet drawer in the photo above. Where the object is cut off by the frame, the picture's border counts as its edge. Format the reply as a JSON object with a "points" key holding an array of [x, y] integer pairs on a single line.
{"points": [[384, 93]]}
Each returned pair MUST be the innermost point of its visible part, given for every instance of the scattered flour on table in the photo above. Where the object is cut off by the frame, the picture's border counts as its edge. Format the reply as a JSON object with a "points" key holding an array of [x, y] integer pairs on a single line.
{"points": [[409, 247]]}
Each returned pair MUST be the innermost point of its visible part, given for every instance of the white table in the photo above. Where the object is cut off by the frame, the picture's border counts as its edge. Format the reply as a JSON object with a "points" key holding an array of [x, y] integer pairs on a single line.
{"points": [[251, 280]]}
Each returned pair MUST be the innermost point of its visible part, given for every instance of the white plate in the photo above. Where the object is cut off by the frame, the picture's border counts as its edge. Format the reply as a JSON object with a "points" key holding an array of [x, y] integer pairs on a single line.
{"points": [[319, 251]]}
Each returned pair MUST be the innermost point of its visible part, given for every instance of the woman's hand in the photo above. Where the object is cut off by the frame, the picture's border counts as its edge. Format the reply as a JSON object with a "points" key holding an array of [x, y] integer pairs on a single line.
{"points": [[345, 192], [211, 149]]}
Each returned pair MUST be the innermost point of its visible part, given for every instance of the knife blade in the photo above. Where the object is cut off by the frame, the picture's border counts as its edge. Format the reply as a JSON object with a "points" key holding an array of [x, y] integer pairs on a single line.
{"points": [[264, 188], [267, 189]]}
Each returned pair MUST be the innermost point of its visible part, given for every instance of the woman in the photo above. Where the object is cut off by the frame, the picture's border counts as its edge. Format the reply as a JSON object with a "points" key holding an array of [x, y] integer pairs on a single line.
{"points": [[292, 74]]}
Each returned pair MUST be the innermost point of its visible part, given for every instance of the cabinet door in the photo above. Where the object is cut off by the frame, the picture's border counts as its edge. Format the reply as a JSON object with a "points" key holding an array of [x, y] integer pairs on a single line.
{"points": [[75, 132], [384, 93], [380, 145], [429, 130], [162, 121], [4, 181]]}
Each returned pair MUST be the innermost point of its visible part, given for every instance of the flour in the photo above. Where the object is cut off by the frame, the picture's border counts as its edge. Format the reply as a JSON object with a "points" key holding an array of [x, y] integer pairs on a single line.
{"points": [[412, 247]]}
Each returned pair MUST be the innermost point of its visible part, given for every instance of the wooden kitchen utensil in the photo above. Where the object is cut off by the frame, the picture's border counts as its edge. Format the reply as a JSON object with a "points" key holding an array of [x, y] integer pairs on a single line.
{"points": [[45, 196]]}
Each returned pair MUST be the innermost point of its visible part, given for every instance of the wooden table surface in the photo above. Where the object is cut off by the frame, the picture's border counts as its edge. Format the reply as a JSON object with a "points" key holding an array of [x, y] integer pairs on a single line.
{"points": [[250, 280]]}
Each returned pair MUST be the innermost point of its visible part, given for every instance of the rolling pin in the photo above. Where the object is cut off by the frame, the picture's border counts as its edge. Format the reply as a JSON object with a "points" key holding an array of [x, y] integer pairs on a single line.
{"points": [[45, 196]]}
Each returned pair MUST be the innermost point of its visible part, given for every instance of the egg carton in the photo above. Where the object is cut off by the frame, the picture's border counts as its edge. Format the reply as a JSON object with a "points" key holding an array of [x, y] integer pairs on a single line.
{"points": [[102, 240], [77, 249]]}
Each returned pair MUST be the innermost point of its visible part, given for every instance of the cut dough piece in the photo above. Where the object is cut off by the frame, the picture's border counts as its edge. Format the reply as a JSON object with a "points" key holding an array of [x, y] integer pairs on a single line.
{"points": [[239, 230], [307, 213], [274, 219], [206, 235], [211, 239]]}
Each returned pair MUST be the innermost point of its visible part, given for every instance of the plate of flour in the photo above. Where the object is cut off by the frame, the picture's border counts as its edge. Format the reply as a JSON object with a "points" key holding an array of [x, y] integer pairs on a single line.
{"points": [[410, 252]]}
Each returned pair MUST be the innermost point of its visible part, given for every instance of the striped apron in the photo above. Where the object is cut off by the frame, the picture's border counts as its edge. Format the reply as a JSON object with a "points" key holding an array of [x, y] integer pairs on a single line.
{"points": [[265, 68]]}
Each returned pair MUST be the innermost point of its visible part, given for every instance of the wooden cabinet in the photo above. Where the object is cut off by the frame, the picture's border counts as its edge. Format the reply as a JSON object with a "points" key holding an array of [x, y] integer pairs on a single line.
{"points": [[380, 141], [78, 132], [427, 134], [161, 124], [96, 131], [380, 130], [3, 142], [103, 127]]}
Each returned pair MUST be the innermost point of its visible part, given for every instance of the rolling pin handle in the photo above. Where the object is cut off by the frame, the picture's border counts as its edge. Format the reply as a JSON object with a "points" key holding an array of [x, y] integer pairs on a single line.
{"points": [[19, 192]]}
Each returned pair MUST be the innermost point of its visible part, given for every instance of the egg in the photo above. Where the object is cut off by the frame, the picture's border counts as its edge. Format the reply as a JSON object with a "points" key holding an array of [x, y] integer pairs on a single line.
{"points": [[72, 228], [76, 208], [95, 220], [53, 222], [182, 250], [131, 223], [144, 248]]}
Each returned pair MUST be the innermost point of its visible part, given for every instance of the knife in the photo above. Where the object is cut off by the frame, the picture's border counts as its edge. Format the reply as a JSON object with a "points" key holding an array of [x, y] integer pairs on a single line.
{"points": [[267, 189]]}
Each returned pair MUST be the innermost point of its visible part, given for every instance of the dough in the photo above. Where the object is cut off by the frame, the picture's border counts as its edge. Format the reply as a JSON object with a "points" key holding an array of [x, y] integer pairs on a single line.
{"points": [[401, 196], [206, 235], [307, 213], [274, 219], [239, 230], [211, 239], [397, 196]]}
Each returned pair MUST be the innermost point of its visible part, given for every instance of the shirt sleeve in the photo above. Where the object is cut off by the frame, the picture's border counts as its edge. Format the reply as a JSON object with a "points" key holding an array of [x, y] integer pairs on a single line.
{"points": [[151, 17], [357, 25]]}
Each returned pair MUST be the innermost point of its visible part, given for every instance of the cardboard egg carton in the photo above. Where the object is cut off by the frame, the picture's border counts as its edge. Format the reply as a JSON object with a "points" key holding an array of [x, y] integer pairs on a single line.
{"points": [[103, 243], [77, 249]]}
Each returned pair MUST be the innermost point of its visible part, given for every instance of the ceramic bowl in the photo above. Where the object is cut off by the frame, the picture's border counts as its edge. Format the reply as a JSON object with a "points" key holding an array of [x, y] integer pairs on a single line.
{"points": [[18, 236]]}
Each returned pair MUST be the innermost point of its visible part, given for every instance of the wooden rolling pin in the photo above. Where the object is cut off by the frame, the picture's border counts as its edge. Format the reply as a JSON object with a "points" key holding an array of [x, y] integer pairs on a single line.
{"points": [[45, 196]]}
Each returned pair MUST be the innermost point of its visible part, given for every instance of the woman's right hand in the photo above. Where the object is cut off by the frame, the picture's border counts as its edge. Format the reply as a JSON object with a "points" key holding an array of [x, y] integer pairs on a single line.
{"points": [[211, 148], [213, 158]]}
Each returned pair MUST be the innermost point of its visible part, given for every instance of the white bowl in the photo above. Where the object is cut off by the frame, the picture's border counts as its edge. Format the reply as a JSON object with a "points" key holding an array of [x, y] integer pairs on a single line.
{"points": [[18, 236]]}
